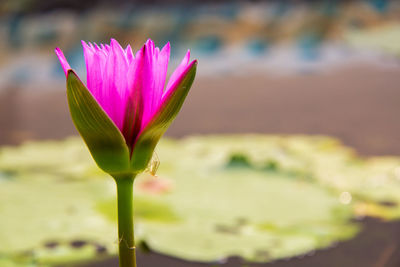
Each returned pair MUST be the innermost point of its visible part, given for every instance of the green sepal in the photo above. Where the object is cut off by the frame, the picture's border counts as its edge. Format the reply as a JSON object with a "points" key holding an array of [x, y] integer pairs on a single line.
{"points": [[149, 137], [101, 135]]}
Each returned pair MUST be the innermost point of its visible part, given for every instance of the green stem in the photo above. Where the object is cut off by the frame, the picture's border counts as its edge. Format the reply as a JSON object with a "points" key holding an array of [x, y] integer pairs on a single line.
{"points": [[127, 249]]}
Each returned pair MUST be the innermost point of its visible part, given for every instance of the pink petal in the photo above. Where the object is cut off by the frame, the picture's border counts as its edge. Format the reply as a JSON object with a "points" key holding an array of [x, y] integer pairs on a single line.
{"points": [[146, 79], [154, 74], [160, 69], [112, 96], [148, 82], [63, 61], [183, 66], [176, 81], [134, 106], [107, 68], [150, 46], [95, 63], [129, 54]]}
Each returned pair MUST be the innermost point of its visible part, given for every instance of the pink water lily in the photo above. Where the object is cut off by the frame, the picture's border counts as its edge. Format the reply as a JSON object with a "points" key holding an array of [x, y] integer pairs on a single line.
{"points": [[132, 91], [122, 113]]}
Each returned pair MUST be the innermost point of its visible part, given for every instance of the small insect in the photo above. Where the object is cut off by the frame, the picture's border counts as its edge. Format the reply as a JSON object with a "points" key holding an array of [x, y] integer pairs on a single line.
{"points": [[153, 165]]}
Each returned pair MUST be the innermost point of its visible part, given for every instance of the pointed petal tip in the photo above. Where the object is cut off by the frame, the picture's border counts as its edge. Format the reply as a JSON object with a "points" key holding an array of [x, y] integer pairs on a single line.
{"points": [[194, 62], [150, 45], [142, 50], [64, 63], [186, 58], [87, 47], [191, 65], [167, 47], [113, 42], [59, 52]]}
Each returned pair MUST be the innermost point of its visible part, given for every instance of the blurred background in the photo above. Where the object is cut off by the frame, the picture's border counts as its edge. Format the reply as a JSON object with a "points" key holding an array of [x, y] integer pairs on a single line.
{"points": [[280, 68], [327, 67]]}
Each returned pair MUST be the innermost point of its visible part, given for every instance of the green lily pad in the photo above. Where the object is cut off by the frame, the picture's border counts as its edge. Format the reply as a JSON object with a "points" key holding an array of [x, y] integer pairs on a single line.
{"points": [[258, 197]]}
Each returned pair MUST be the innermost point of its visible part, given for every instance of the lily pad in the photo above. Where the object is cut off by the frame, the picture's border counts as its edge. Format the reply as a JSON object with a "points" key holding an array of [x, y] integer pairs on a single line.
{"points": [[254, 196]]}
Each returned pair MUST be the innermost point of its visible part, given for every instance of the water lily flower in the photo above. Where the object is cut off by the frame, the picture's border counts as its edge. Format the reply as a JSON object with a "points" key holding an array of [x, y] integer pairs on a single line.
{"points": [[122, 113], [126, 107]]}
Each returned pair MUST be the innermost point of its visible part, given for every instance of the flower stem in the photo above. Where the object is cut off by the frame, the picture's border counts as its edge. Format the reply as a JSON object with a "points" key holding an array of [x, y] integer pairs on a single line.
{"points": [[126, 240]]}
